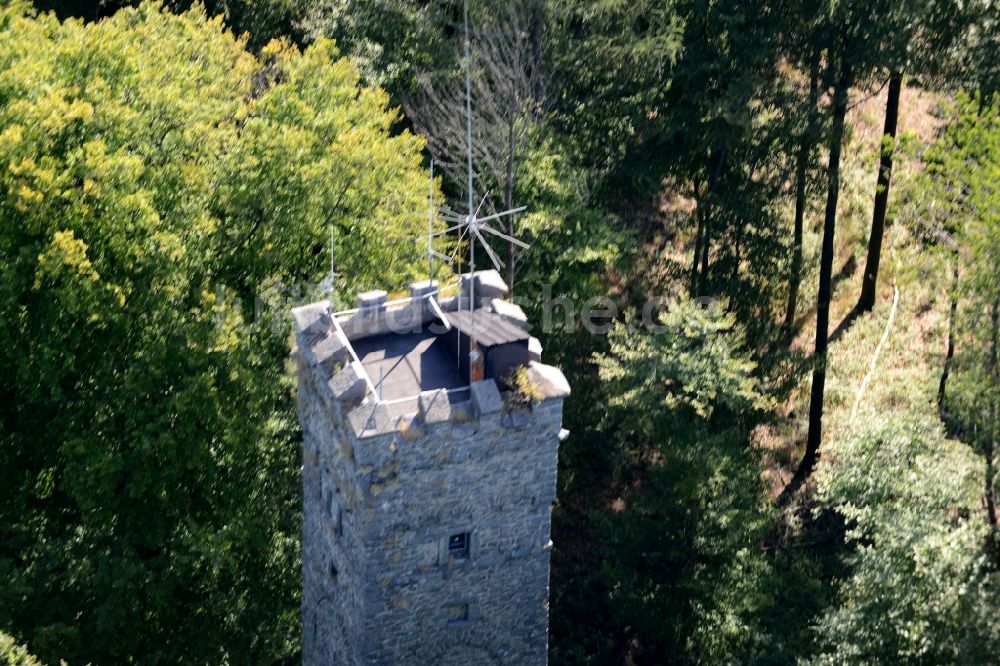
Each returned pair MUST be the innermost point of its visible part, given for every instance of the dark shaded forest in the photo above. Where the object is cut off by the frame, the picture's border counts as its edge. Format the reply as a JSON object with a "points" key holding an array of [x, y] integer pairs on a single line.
{"points": [[795, 465]]}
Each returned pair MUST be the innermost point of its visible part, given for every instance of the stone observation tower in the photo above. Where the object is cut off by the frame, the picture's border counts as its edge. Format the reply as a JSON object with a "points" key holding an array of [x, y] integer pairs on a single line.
{"points": [[427, 495]]}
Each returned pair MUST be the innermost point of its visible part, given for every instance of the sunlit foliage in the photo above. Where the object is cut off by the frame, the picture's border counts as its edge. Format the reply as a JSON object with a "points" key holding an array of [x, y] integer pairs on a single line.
{"points": [[162, 191]]}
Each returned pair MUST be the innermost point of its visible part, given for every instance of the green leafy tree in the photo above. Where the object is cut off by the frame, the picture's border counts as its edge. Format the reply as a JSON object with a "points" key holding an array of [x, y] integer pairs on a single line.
{"points": [[683, 543], [612, 60], [860, 52], [392, 42], [162, 191], [919, 583], [13, 654], [687, 98], [920, 588], [260, 20], [922, 39], [840, 70], [803, 43], [956, 203]]}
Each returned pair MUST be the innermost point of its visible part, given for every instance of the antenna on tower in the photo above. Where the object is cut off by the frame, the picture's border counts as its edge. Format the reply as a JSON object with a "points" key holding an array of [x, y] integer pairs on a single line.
{"points": [[471, 222], [327, 284], [430, 227], [468, 149]]}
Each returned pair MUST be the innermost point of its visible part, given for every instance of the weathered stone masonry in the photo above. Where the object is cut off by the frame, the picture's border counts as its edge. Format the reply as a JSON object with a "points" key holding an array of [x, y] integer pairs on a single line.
{"points": [[426, 535]]}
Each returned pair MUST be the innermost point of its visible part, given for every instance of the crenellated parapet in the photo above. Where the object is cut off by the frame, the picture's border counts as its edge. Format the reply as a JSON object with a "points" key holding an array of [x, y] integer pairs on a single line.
{"points": [[427, 515]]}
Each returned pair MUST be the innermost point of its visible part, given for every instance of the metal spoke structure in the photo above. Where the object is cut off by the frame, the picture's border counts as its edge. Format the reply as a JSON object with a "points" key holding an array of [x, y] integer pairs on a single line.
{"points": [[469, 224]]}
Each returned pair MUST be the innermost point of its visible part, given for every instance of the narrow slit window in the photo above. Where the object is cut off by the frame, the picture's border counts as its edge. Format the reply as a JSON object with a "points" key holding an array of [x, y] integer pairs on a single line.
{"points": [[458, 614], [458, 546]]}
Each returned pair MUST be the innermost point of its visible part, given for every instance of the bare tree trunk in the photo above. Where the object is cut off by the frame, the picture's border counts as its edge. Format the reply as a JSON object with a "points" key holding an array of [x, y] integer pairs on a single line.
{"points": [[736, 257], [508, 201], [870, 279], [811, 456], [801, 167], [504, 84], [950, 353], [991, 425], [706, 241], [537, 20], [699, 234]]}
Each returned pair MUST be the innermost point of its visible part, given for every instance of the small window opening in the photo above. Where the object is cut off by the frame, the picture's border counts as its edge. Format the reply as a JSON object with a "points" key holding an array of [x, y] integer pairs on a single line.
{"points": [[458, 546], [333, 572], [331, 497], [458, 614]]}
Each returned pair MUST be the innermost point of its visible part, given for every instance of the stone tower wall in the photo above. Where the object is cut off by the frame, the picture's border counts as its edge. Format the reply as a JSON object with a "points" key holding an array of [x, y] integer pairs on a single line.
{"points": [[383, 495]]}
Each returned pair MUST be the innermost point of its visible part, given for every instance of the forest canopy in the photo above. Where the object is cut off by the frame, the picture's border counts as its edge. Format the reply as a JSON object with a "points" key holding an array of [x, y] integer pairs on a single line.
{"points": [[793, 461]]}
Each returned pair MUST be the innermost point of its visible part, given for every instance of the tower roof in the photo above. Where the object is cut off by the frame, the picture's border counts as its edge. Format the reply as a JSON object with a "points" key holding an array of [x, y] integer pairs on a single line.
{"points": [[407, 364], [488, 328], [387, 353]]}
